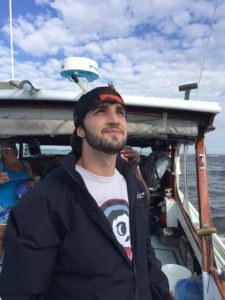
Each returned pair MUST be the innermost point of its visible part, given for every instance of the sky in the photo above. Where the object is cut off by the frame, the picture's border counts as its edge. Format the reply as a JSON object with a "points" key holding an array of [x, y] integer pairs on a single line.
{"points": [[145, 48]]}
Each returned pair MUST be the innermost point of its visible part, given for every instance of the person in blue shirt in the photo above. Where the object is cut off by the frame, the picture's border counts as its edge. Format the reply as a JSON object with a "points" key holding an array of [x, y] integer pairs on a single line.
{"points": [[15, 179]]}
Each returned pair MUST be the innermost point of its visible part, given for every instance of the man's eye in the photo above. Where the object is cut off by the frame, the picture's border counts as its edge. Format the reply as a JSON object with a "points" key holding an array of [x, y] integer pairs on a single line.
{"points": [[122, 113]]}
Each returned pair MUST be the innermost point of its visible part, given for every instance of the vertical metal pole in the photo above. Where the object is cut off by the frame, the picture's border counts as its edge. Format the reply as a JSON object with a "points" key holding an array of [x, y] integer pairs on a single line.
{"points": [[187, 94], [11, 40]]}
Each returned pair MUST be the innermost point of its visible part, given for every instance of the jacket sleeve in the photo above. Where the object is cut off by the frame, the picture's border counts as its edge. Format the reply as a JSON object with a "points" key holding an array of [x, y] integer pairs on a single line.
{"points": [[31, 244]]}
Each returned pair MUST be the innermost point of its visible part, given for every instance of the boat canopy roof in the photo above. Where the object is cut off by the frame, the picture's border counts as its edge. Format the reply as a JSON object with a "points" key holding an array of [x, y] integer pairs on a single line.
{"points": [[50, 113], [10, 92]]}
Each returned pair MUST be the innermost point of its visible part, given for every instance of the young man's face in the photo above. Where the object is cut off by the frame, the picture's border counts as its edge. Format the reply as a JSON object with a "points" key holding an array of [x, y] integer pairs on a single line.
{"points": [[105, 128]]}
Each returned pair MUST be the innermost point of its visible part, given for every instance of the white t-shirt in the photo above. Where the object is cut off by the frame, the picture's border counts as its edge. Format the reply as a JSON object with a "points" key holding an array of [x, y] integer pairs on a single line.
{"points": [[111, 195]]}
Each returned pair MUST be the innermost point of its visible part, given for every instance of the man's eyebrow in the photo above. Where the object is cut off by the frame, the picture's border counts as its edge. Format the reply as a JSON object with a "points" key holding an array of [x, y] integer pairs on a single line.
{"points": [[104, 105], [100, 105], [119, 106]]}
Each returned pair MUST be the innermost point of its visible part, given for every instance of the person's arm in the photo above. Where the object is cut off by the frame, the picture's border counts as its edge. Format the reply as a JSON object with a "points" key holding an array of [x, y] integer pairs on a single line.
{"points": [[30, 173], [134, 159], [4, 178], [29, 169]]}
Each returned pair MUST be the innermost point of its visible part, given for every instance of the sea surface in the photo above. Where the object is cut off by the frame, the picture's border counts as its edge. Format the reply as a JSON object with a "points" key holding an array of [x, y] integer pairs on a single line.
{"points": [[216, 189]]}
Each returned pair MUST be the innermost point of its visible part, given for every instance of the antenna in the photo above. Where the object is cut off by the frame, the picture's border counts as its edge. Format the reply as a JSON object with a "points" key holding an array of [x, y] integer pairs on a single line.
{"points": [[76, 68], [11, 39], [207, 45], [187, 89]]}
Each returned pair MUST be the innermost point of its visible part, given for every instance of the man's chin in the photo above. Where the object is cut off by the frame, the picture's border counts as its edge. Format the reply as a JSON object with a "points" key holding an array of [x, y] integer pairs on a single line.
{"points": [[106, 145], [112, 149]]}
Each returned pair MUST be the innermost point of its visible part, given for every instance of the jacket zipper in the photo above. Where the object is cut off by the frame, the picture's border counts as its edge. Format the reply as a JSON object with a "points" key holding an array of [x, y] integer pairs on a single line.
{"points": [[134, 269], [135, 289]]}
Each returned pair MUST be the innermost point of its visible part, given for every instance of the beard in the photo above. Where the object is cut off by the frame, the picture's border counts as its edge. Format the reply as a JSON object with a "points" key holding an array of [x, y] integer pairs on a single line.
{"points": [[104, 145]]}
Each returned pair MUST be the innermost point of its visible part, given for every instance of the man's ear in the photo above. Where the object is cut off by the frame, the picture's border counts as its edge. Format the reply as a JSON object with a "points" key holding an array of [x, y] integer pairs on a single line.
{"points": [[80, 132]]}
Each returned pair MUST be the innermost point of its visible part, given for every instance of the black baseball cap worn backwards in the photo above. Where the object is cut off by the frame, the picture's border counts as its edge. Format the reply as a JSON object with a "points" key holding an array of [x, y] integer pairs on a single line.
{"points": [[92, 98]]}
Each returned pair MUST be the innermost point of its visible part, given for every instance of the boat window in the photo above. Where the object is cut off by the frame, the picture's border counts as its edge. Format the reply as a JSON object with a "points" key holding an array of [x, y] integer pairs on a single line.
{"points": [[187, 183], [143, 151], [30, 150], [53, 150]]}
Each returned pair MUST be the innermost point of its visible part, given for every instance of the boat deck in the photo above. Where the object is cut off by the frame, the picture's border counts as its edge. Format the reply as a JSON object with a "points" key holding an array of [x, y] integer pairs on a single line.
{"points": [[167, 254]]}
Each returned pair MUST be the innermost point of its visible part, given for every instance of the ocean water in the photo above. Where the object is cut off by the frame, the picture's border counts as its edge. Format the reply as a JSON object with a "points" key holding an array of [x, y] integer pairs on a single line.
{"points": [[216, 189], [216, 183]]}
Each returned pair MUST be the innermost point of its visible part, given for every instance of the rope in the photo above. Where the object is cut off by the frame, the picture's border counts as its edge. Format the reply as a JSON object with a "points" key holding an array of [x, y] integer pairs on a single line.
{"points": [[207, 46]]}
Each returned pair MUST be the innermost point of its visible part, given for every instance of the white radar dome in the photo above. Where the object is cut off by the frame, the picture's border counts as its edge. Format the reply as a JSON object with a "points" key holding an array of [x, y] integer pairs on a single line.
{"points": [[81, 67]]}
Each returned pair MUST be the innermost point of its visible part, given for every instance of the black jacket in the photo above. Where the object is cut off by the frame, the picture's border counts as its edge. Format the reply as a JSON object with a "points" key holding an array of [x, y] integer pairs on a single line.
{"points": [[59, 244]]}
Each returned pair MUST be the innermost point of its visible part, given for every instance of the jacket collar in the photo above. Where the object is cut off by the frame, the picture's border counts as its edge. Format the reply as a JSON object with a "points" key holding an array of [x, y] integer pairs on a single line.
{"points": [[68, 164]]}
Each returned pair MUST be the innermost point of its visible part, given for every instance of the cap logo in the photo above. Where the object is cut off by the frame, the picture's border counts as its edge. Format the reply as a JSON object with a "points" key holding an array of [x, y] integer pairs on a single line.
{"points": [[110, 96]]}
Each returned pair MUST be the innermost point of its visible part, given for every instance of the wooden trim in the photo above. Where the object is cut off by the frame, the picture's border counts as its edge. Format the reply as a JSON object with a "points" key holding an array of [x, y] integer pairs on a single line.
{"points": [[219, 283], [203, 202]]}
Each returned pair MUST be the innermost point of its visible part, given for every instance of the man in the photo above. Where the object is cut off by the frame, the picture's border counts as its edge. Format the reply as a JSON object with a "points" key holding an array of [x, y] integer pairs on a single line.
{"points": [[155, 165], [82, 232]]}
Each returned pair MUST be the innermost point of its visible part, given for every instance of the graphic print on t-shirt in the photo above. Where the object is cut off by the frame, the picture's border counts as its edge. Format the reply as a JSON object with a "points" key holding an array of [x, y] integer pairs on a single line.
{"points": [[110, 193], [117, 212]]}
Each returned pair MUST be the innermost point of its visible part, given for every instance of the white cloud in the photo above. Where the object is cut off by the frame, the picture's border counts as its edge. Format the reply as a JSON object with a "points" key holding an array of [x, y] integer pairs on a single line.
{"points": [[95, 19], [157, 9], [42, 2], [41, 37], [192, 31], [202, 10], [182, 19], [5, 63]]}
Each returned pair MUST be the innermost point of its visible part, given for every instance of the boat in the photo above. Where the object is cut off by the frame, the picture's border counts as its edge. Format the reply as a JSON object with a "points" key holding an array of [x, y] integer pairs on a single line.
{"points": [[182, 234]]}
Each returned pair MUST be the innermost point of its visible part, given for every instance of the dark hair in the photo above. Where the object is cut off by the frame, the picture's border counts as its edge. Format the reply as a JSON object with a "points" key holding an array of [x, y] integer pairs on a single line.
{"points": [[7, 144], [76, 144]]}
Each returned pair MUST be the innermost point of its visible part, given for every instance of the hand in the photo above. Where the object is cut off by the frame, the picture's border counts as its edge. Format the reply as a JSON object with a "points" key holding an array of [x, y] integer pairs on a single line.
{"points": [[4, 177], [132, 156]]}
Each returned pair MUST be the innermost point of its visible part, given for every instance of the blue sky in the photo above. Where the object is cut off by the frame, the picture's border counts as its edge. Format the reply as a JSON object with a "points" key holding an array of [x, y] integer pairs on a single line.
{"points": [[146, 48]]}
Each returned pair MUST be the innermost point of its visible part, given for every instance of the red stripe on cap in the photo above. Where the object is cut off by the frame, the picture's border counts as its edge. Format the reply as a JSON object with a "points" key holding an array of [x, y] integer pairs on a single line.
{"points": [[110, 96]]}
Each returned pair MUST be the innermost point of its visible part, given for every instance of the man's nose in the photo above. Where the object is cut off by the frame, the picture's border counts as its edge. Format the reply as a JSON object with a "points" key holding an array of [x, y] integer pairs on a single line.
{"points": [[113, 117]]}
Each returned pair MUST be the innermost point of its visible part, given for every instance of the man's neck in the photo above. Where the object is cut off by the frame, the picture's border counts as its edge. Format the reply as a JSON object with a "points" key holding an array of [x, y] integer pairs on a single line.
{"points": [[97, 162]]}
